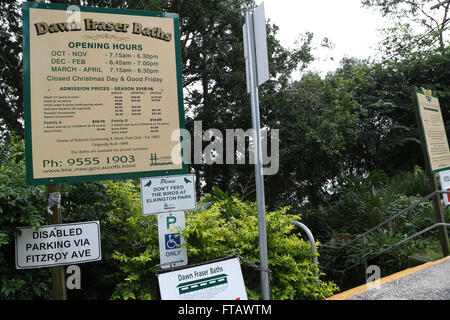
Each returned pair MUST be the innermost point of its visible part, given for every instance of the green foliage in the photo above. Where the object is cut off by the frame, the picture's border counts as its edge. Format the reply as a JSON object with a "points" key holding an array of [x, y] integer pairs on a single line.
{"points": [[431, 250], [20, 205], [356, 205], [418, 12], [382, 239], [316, 121], [11, 90], [385, 134], [411, 183], [221, 223], [364, 202], [137, 251], [15, 196], [211, 232]]}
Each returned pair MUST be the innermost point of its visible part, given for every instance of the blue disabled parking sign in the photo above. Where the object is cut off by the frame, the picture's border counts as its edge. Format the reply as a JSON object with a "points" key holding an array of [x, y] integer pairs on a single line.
{"points": [[172, 241], [172, 253]]}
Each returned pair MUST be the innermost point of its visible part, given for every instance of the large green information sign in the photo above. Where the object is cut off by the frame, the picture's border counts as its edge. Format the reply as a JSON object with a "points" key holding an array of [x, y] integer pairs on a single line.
{"points": [[433, 130], [103, 93]]}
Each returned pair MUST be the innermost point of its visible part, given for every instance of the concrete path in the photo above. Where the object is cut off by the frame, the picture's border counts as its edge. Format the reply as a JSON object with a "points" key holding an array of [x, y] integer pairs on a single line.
{"points": [[429, 281]]}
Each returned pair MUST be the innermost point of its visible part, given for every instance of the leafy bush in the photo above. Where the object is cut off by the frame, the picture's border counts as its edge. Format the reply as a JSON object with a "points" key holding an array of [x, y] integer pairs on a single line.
{"points": [[221, 223], [20, 205], [23, 205], [355, 206], [130, 248], [137, 249], [413, 183], [364, 202]]}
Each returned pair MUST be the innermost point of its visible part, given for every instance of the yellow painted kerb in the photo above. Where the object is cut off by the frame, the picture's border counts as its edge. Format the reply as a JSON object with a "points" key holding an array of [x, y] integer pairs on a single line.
{"points": [[363, 288]]}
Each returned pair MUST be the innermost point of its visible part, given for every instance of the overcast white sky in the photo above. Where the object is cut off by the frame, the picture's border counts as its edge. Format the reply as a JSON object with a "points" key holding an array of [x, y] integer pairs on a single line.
{"points": [[351, 28]]}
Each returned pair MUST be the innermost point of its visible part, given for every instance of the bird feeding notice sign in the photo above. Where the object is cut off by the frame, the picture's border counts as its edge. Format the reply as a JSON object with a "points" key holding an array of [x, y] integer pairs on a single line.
{"points": [[102, 93], [167, 194], [218, 280], [58, 244]]}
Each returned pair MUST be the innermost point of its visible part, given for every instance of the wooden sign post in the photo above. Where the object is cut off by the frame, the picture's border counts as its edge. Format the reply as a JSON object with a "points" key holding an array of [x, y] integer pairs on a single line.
{"points": [[58, 276]]}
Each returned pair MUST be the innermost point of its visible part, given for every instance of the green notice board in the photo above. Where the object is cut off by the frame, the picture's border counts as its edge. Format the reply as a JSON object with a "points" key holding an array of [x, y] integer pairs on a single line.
{"points": [[103, 93], [432, 126]]}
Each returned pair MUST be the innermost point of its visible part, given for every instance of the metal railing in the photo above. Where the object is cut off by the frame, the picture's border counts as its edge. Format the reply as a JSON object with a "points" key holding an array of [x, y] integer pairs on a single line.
{"points": [[363, 235], [310, 237], [311, 240]]}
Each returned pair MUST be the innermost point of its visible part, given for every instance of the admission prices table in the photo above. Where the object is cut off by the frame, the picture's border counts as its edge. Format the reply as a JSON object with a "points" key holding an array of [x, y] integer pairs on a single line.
{"points": [[103, 93]]}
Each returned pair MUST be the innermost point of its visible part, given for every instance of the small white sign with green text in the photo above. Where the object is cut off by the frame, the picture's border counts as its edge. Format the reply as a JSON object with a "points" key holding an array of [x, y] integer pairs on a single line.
{"points": [[168, 194], [214, 280]]}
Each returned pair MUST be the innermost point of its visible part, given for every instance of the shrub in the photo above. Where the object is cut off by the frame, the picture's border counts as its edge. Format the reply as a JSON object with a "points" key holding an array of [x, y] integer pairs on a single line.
{"points": [[130, 248], [220, 224], [23, 205], [137, 248], [362, 203], [20, 205]]}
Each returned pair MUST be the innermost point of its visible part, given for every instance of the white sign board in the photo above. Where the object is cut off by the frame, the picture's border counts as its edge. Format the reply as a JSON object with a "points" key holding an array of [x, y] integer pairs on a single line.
{"points": [[168, 194], [262, 60], [258, 44], [444, 176], [171, 252], [219, 280], [58, 244]]}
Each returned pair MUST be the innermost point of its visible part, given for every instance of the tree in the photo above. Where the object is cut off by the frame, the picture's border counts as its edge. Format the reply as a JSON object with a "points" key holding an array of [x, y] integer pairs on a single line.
{"points": [[417, 12], [318, 123], [11, 92], [388, 137], [214, 78]]}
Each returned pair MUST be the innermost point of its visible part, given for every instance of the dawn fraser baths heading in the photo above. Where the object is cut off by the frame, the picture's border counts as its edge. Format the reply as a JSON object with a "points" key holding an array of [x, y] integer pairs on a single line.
{"points": [[92, 25]]}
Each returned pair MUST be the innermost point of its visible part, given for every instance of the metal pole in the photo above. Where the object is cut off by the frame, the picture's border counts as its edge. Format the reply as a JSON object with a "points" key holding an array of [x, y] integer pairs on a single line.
{"points": [[58, 274], [259, 177]]}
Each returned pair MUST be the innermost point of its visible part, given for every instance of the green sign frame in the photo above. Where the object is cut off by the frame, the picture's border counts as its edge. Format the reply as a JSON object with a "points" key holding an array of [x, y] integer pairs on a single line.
{"points": [[422, 130], [30, 179]]}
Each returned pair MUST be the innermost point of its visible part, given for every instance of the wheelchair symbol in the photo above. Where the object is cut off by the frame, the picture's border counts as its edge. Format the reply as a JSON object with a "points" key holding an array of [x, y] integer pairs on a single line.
{"points": [[173, 241]]}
